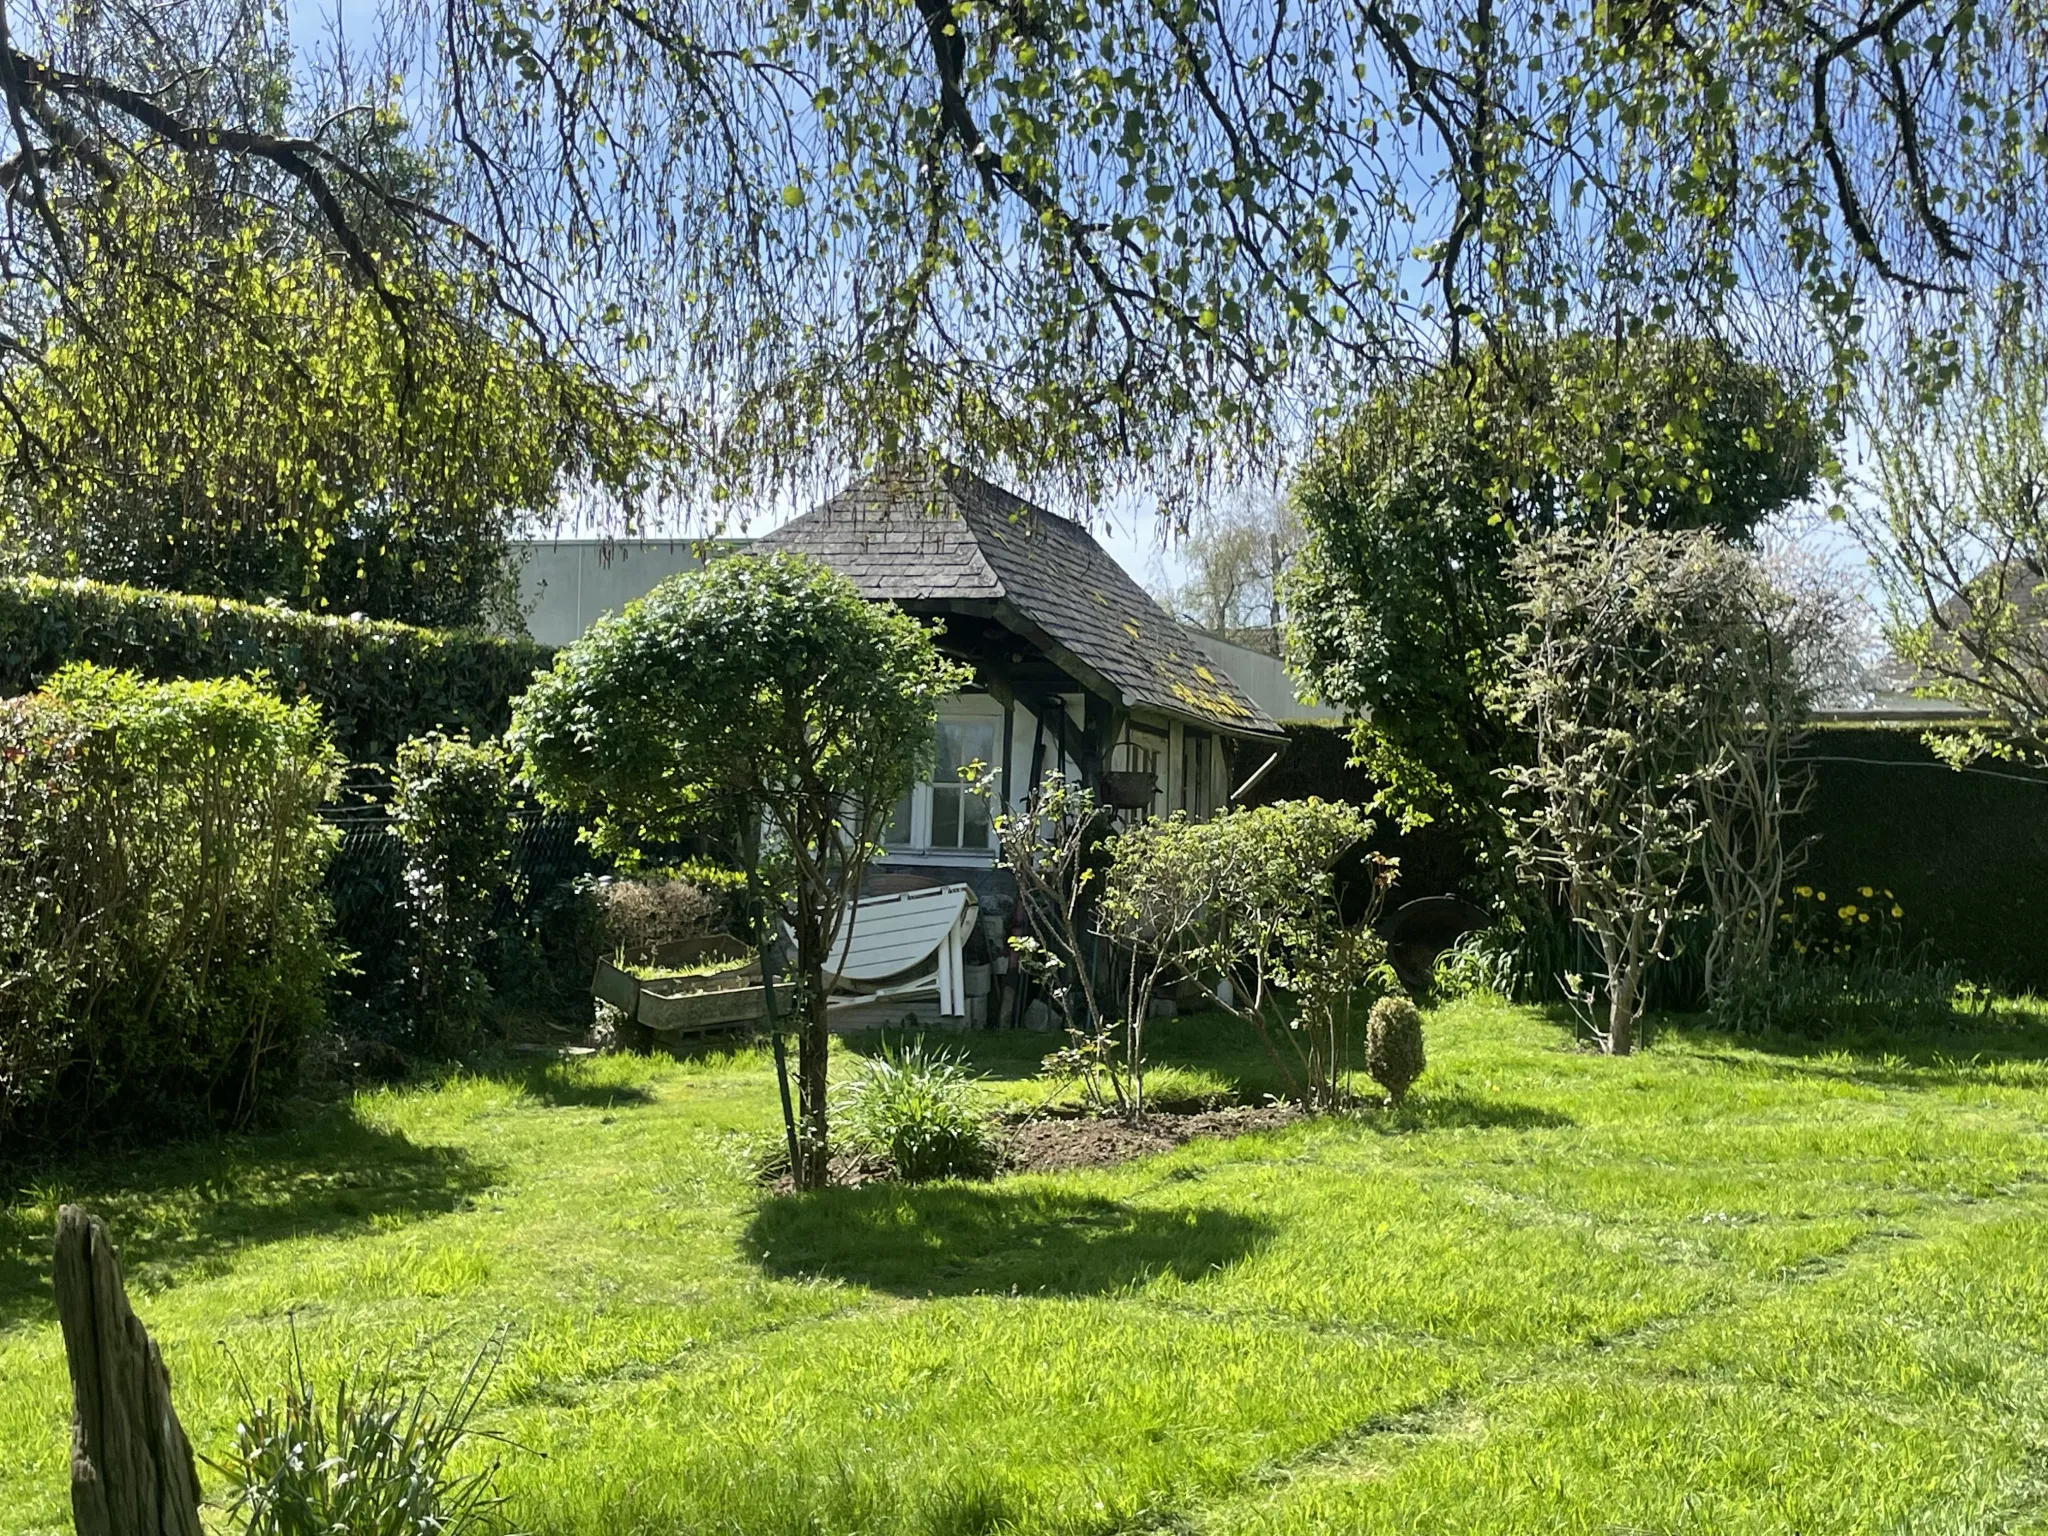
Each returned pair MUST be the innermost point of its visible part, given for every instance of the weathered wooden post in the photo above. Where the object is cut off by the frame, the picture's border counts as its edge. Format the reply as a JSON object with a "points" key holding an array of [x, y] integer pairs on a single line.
{"points": [[131, 1466]]}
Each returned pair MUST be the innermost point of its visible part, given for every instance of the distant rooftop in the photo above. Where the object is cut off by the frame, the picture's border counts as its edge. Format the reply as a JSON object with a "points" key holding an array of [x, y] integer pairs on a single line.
{"points": [[951, 539]]}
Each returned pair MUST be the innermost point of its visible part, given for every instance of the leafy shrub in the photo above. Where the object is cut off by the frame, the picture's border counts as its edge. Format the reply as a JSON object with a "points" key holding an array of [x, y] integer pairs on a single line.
{"points": [[452, 812], [1478, 965], [1393, 1046], [1265, 908], [371, 1461], [162, 933], [380, 683], [921, 1109]]}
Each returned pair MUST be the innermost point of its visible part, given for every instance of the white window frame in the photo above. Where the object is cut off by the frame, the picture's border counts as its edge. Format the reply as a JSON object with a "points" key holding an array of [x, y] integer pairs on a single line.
{"points": [[965, 709]]}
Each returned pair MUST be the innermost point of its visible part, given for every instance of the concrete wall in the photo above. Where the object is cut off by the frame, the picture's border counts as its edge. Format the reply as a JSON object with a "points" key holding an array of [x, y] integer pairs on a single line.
{"points": [[566, 585]]}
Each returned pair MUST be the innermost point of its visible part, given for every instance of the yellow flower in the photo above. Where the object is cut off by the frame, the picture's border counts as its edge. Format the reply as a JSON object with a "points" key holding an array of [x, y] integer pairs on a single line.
{"points": [[1897, 910], [1861, 917], [1820, 895], [1845, 913], [1864, 890], [1802, 890]]}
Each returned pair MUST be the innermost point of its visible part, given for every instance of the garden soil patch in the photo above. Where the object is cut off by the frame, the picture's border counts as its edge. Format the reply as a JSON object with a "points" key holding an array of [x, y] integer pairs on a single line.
{"points": [[1046, 1144]]}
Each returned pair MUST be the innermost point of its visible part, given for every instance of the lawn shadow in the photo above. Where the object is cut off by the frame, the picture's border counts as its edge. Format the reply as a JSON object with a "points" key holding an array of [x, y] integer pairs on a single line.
{"points": [[1000, 1239], [2010, 1049], [188, 1207], [559, 1086], [1460, 1110]]}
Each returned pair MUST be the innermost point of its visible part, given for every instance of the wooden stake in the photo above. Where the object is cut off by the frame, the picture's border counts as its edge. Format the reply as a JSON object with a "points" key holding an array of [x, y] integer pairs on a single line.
{"points": [[131, 1466]]}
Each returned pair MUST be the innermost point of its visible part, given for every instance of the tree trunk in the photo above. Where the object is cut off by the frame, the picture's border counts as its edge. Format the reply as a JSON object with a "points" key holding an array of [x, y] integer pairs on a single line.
{"points": [[131, 1466], [1621, 1011], [813, 1046]]}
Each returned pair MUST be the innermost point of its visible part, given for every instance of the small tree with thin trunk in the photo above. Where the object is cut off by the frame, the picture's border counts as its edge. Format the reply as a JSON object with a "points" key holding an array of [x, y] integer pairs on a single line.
{"points": [[761, 702], [1633, 675]]}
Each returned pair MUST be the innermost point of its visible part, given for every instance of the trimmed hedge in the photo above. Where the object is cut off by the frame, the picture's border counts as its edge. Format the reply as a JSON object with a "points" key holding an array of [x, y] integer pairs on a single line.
{"points": [[380, 683]]}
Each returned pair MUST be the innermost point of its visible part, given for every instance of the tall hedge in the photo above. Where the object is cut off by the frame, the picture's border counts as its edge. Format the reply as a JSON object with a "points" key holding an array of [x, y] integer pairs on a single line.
{"points": [[379, 683], [1964, 852], [163, 941]]}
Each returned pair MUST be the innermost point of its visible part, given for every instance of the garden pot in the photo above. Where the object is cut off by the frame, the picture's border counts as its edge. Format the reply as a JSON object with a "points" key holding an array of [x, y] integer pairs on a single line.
{"points": [[1128, 790]]}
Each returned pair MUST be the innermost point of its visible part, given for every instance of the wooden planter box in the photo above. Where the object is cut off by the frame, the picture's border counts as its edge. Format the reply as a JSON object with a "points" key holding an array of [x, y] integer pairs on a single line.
{"points": [[618, 987], [699, 1010]]}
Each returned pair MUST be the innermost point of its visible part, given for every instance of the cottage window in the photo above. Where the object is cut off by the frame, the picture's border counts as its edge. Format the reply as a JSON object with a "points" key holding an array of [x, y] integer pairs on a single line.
{"points": [[943, 813]]}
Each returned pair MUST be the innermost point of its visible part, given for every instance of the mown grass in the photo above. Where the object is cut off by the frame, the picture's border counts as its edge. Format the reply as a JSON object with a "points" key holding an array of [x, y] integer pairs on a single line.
{"points": [[1714, 1288]]}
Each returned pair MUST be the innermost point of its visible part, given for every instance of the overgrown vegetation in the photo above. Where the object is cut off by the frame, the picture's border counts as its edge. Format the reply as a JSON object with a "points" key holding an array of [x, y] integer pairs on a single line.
{"points": [[1403, 597], [1275, 940], [162, 934], [1653, 679], [452, 811], [373, 1459]]}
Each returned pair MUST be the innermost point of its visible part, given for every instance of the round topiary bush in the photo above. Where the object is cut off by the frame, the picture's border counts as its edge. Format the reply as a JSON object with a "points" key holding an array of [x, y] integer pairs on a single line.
{"points": [[1393, 1046]]}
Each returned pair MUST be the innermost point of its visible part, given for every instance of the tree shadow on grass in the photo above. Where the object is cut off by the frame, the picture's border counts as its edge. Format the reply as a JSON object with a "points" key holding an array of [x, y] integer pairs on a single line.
{"points": [[1002, 1239], [560, 1086], [2007, 1049], [1459, 1110], [183, 1210]]}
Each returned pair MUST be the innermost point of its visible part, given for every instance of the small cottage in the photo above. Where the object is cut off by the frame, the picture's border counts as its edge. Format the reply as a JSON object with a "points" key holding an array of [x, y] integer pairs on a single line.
{"points": [[1076, 669]]}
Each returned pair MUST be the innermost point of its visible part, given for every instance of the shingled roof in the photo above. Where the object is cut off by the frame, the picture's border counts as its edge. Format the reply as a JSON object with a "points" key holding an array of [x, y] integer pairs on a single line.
{"points": [[946, 538]]}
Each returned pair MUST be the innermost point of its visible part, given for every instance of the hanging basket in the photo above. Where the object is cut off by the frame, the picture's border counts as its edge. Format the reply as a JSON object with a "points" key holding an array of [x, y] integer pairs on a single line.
{"points": [[1129, 790]]}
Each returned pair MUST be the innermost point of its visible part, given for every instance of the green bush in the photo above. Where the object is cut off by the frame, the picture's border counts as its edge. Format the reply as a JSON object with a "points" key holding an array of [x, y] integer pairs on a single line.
{"points": [[162, 948], [921, 1109], [1393, 1046], [379, 683], [453, 812], [372, 1461]]}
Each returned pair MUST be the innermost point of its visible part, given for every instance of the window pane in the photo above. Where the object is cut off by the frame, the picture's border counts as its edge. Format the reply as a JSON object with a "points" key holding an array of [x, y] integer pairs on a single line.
{"points": [[962, 742], [946, 803], [974, 823], [898, 833]]}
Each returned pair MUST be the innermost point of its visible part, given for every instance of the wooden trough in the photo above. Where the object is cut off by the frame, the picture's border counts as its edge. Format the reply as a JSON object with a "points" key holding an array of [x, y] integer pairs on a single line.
{"points": [[675, 1006]]}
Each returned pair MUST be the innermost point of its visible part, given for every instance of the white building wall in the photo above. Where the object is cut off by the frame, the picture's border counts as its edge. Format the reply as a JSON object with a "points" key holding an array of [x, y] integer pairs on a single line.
{"points": [[567, 585]]}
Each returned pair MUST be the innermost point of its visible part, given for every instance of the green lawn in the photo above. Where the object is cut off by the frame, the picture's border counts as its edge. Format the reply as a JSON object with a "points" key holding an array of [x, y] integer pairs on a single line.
{"points": [[1707, 1289]]}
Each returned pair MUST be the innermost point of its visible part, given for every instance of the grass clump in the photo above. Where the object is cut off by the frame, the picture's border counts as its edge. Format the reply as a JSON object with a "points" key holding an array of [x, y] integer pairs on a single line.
{"points": [[1393, 1046], [371, 1460], [920, 1108]]}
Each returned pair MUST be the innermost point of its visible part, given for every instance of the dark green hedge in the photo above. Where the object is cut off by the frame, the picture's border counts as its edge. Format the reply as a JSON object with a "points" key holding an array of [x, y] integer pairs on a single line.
{"points": [[380, 683], [1965, 851]]}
